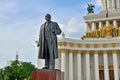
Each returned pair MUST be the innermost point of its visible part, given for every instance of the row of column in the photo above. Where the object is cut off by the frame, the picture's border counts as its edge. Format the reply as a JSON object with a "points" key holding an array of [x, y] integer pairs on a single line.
{"points": [[93, 26], [96, 65], [110, 4]]}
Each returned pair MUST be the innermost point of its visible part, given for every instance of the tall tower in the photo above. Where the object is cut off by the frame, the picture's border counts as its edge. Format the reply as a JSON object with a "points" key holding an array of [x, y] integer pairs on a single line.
{"points": [[17, 56]]}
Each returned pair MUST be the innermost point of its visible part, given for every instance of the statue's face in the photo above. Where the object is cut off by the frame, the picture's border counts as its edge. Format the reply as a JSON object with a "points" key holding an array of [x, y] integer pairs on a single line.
{"points": [[48, 17]]}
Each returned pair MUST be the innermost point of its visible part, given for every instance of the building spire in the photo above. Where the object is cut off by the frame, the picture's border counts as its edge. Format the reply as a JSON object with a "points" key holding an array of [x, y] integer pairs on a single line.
{"points": [[17, 55]]}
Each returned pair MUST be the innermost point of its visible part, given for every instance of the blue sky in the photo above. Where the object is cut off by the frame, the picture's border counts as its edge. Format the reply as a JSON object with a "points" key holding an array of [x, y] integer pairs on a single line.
{"points": [[20, 22]]}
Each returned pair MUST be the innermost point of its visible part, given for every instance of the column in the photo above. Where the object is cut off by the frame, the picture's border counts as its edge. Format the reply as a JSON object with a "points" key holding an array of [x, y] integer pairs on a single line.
{"points": [[106, 70], [115, 23], [96, 65], [100, 25], [107, 23], [113, 4], [88, 27], [70, 65], [87, 65], [118, 4], [79, 77], [63, 53], [115, 64], [93, 26], [103, 5], [108, 4]]}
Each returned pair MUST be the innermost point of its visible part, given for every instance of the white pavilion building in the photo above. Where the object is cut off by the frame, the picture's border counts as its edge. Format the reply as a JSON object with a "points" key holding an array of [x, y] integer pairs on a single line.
{"points": [[97, 57]]}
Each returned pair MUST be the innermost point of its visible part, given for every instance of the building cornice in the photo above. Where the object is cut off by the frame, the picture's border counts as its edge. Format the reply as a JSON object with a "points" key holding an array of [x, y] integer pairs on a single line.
{"points": [[102, 16], [89, 44]]}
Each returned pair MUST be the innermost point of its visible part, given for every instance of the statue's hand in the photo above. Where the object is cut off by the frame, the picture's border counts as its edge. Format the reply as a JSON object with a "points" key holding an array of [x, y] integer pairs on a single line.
{"points": [[38, 45], [53, 31]]}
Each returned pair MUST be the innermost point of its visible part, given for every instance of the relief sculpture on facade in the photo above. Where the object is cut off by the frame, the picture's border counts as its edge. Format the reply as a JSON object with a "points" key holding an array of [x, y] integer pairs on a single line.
{"points": [[106, 30]]}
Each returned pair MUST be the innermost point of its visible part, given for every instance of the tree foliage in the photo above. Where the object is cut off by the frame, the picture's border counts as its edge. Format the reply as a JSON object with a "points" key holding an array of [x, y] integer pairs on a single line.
{"points": [[17, 71]]}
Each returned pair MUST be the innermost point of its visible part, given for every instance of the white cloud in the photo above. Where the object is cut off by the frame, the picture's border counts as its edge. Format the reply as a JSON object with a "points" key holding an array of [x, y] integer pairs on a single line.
{"points": [[98, 3], [74, 28]]}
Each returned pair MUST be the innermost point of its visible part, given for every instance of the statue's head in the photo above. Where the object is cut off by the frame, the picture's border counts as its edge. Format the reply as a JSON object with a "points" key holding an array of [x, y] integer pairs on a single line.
{"points": [[47, 17]]}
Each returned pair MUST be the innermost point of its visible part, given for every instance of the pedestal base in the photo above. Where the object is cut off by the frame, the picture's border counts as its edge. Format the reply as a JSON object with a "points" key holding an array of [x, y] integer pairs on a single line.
{"points": [[46, 74]]}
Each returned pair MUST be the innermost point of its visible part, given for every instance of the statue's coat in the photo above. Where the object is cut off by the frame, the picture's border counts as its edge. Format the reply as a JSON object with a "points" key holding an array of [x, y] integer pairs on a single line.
{"points": [[53, 40]]}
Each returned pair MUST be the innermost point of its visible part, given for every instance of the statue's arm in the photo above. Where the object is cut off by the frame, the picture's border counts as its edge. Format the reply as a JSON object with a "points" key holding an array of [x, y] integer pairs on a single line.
{"points": [[57, 30]]}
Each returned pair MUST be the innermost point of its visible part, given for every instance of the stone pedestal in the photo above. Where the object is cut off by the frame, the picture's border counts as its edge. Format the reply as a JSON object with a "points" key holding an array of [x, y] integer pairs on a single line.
{"points": [[46, 74]]}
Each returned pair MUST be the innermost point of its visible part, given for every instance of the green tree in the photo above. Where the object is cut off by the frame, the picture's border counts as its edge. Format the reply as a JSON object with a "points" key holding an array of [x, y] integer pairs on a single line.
{"points": [[17, 71], [1, 74]]}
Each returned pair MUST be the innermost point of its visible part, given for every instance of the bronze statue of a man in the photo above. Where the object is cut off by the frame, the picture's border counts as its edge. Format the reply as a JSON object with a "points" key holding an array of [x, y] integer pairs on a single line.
{"points": [[48, 48]]}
